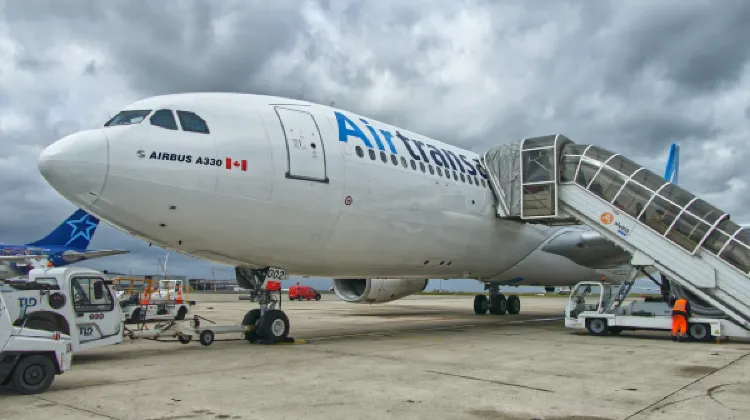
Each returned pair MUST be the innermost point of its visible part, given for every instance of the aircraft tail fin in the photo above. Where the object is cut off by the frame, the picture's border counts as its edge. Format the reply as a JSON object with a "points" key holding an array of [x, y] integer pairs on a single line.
{"points": [[673, 164], [75, 232]]}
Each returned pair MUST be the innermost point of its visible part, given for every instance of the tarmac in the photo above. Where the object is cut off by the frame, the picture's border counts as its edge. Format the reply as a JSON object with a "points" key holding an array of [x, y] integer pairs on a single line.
{"points": [[422, 357]]}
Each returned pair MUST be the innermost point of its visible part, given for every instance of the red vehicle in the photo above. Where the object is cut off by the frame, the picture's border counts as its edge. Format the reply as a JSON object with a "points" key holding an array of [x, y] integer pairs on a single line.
{"points": [[303, 292]]}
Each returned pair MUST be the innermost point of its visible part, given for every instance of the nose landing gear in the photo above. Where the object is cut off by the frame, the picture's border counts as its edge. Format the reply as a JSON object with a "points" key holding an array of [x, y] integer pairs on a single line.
{"points": [[269, 325]]}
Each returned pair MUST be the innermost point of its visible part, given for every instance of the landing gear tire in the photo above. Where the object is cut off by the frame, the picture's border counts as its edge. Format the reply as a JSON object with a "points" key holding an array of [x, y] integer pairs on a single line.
{"points": [[33, 374], [481, 305], [252, 317], [597, 326], [207, 337], [514, 305], [274, 325], [184, 339], [699, 332], [498, 305]]}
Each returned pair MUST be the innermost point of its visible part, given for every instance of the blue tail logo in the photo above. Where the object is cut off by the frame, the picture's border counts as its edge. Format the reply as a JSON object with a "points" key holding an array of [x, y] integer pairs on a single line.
{"points": [[673, 164], [75, 232]]}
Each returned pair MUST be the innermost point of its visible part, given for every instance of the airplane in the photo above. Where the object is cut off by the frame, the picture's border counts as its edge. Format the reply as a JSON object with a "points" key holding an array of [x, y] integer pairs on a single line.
{"points": [[65, 245], [277, 186]]}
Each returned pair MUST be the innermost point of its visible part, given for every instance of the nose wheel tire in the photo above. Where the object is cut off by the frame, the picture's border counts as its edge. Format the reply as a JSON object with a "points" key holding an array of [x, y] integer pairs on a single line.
{"points": [[252, 317], [274, 325]]}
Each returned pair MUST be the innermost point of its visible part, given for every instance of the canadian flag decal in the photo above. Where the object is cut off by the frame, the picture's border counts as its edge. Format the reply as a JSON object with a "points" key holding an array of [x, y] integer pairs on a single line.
{"points": [[242, 164]]}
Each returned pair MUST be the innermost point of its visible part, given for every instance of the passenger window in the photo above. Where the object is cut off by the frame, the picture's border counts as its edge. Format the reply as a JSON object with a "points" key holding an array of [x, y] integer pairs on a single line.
{"points": [[383, 157], [738, 255], [165, 119], [128, 117], [432, 170], [633, 199], [414, 165], [606, 184], [439, 171], [372, 154], [463, 178], [190, 121], [359, 151], [421, 166], [90, 294], [483, 183], [394, 160], [403, 162]]}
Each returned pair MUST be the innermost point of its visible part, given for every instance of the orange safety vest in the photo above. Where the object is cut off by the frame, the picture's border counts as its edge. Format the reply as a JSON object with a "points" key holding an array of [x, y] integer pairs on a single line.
{"points": [[680, 306]]}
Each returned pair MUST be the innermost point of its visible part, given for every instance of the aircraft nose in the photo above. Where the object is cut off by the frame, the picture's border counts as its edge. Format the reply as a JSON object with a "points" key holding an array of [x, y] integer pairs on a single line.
{"points": [[76, 166]]}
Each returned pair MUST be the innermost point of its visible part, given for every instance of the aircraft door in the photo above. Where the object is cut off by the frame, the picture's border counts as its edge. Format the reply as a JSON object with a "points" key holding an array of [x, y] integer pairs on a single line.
{"points": [[306, 159], [94, 306]]}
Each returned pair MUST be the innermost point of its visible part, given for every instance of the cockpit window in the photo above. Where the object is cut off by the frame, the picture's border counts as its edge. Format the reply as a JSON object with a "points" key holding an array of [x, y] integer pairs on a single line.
{"points": [[190, 121], [128, 117], [164, 118]]}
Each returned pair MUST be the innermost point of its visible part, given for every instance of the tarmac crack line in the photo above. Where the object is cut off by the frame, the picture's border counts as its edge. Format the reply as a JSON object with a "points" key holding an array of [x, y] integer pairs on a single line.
{"points": [[78, 408], [686, 386], [472, 378]]}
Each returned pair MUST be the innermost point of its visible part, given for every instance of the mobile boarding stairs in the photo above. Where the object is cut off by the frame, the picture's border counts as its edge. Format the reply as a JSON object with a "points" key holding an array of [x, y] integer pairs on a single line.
{"points": [[706, 256]]}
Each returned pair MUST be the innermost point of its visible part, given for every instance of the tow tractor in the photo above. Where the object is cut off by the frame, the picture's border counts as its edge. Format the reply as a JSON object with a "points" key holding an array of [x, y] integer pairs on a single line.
{"points": [[82, 303], [30, 358], [166, 302], [600, 308]]}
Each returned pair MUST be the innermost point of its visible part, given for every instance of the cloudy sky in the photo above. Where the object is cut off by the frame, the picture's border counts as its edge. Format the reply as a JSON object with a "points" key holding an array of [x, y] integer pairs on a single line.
{"points": [[632, 76]]}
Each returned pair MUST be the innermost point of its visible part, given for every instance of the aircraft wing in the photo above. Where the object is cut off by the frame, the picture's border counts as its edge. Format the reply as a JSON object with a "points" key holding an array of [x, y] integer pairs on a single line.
{"points": [[72, 256], [587, 248]]}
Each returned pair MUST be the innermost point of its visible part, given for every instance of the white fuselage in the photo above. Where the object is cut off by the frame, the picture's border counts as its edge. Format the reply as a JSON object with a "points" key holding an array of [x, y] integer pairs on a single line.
{"points": [[310, 200]]}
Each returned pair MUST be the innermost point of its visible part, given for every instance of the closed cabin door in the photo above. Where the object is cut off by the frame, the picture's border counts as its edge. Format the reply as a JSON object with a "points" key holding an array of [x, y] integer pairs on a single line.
{"points": [[305, 150]]}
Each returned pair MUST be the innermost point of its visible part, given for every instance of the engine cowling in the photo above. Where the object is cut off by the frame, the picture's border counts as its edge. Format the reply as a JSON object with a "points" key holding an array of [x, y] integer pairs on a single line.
{"points": [[376, 290]]}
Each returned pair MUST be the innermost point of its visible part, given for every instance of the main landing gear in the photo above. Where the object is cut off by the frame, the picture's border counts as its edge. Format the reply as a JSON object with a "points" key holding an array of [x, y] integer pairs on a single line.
{"points": [[497, 303], [268, 324]]}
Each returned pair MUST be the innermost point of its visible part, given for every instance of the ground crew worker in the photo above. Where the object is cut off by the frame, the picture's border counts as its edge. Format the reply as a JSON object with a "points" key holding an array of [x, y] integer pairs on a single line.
{"points": [[680, 315]]}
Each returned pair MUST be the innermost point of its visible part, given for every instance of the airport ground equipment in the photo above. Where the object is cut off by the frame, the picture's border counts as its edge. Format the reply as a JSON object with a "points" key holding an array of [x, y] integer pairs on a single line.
{"points": [[169, 300], [704, 255], [30, 358], [82, 303], [593, 306]]}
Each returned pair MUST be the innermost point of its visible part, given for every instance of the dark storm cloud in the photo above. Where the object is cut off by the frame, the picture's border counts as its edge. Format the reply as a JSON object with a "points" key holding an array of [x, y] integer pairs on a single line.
{"points": [[629, 76]]}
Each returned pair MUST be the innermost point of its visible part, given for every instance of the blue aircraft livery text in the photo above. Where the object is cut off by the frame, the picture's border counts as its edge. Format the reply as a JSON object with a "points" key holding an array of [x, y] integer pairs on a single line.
{"points": [[418, 150]]}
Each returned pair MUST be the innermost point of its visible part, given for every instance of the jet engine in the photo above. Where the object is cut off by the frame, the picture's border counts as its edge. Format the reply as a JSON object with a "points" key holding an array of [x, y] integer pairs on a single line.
{"points": [[376, 290]]}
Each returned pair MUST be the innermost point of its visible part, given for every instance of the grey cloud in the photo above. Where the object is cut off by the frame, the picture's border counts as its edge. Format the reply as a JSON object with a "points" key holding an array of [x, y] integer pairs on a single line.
{"points": [[629, 76]]}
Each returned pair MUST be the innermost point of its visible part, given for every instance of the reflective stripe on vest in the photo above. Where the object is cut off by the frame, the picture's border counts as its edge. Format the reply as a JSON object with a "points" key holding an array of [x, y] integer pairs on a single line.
{"points": [[679, 305]]}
